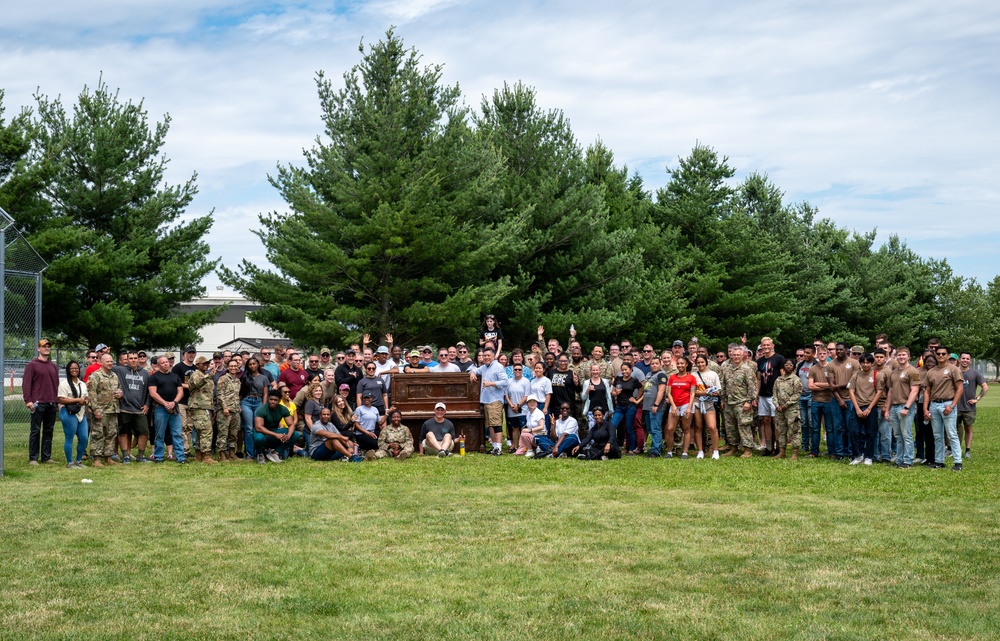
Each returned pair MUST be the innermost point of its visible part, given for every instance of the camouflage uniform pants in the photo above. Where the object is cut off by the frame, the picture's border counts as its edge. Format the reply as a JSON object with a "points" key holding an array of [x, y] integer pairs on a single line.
{"points": [[739, 424], [104, 435], [201, 420], [789, 427], [187, 427], [229, 427]]}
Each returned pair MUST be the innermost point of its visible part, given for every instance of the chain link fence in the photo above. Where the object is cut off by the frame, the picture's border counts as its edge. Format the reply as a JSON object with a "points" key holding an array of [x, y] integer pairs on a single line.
{"points": [[21, 312]]}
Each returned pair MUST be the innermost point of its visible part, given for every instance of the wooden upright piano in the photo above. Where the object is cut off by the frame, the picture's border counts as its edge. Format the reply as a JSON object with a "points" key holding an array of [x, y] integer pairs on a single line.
{"points": [[415, 395]]}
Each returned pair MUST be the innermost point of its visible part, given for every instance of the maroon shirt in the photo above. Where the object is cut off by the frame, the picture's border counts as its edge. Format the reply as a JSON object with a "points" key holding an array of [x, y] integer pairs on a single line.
{"points": [[41, 382], [295, 380]]}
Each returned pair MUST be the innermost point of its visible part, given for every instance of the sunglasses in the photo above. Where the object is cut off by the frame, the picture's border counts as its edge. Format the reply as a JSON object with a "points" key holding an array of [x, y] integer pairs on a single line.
{"points": [[265, 353]]}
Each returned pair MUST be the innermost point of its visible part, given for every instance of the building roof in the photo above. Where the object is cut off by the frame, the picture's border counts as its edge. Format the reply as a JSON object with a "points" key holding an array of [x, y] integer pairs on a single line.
{"points": [[254, 344]]}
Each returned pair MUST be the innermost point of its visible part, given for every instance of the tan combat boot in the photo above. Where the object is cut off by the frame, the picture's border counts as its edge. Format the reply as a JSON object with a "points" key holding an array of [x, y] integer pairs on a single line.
{"points": [[223, 456], [97, 462], [198, 456], [783, 453], [746, 453], [206, 457], [108, 461], [795, 453]]}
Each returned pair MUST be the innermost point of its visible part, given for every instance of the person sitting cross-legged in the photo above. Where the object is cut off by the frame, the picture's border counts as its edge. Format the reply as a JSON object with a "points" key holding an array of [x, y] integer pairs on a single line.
{"points": [[437, 436], [394, 441]]}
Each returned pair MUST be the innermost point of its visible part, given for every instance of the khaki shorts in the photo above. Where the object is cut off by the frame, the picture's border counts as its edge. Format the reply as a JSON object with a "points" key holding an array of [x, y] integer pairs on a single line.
{"points": [[493, 413], [967, 419]]}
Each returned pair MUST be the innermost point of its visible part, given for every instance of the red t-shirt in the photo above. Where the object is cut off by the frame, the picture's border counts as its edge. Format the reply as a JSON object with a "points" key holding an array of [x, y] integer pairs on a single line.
{"points": [[93, 367], [680, 388]]}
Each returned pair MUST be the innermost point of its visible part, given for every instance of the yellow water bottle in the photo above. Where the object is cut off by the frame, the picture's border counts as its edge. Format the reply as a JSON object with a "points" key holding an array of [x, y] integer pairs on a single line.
{"points": [[461, 445]]}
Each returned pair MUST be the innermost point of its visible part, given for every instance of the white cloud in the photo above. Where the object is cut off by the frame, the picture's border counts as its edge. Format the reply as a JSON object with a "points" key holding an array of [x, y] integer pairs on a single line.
{"points": [[878, 114]]}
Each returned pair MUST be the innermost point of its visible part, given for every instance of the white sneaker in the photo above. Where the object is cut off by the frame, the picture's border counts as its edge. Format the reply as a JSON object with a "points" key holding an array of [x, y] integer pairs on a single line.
{"points": [[700, 454], [509, 444], [857, 461], [868, 461], [715, 455], [919, 461], [272, 456], [529, 454]]}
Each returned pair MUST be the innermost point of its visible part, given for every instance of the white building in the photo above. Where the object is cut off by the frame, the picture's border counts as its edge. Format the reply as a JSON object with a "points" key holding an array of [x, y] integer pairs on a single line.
{"points": [[232, 329]]}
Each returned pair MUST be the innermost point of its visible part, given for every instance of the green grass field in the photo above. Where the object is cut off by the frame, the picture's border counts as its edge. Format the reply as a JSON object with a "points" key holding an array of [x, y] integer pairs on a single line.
{"points": [[486, 548]]}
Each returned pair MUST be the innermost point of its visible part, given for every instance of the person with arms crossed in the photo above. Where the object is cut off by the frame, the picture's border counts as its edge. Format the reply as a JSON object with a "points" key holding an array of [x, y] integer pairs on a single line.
{"points": [[166, 390]]}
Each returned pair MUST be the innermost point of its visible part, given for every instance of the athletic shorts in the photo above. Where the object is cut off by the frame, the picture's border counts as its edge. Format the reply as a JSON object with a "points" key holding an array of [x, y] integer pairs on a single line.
{"points": [[133, 424], [517, 422], [965, 419], [765, 406]]}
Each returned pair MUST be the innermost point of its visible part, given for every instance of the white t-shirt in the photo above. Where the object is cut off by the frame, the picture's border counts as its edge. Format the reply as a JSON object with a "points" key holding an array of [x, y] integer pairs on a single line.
{"points": [[449, 367], [534, 418], [516, 391], [569, 426], [384, 371], [711, 379], [540, 387]]}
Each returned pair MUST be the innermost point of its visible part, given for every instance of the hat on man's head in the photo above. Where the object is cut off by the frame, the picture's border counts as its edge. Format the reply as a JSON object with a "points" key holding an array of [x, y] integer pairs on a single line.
{"points": [[460, 344], [189, 349], [857, 349], [440, 406], [201, 360], [382, 349], [218, 355], [100, 346], [678, 344], [324, 351], [953, 356], [45, 343], [170, 355], [367, 395], [414, 353]]}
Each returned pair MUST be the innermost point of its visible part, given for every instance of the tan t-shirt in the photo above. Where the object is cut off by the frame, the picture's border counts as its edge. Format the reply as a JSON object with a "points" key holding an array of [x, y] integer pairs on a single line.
{"points": [[882, 382], [900, 382], [943, 382], [864, 386], [840, 373], [817, 373]]}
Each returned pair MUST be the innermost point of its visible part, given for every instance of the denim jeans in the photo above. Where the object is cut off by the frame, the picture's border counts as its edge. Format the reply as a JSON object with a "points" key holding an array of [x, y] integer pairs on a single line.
{"points": [[265, 441], [72, 426], [571, 441], [805, 418], [654, 424], [830, 414], [902, 429], [162, 419], [248, 406], [628, 413], [945, 427], [867, 433], [884, 451], [845, 439], [543, 445]]}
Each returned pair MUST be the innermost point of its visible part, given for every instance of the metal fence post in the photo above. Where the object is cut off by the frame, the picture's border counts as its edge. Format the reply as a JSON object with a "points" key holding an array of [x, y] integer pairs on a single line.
{"points": [[3, 331]]}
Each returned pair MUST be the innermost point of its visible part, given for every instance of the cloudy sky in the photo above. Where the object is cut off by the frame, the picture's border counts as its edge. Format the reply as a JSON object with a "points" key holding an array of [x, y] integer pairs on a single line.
{"points": [[880, 114]]}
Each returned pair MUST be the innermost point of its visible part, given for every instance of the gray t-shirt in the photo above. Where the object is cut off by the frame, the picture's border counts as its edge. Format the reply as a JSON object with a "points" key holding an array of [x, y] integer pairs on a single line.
{"points": [[651, 388], [973, 378], [316, 440], [376, 387], [437, 429]]}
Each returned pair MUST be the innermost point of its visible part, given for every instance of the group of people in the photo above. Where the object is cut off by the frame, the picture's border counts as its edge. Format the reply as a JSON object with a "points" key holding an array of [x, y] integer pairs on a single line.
{"points": [[546, 401]]}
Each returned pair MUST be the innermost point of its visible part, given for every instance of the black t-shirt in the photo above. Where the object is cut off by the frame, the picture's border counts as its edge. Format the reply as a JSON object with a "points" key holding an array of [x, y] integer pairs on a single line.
{"points": [[183, 370], [466, 365], [564, 390], [627, 390], [491, 336], [166, 385], [312, 374], [770, 370], [350, 375]]}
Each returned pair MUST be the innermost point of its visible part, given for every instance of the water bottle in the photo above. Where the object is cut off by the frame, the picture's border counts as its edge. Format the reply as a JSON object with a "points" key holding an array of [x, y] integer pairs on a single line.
{"points": [[461, 445]]}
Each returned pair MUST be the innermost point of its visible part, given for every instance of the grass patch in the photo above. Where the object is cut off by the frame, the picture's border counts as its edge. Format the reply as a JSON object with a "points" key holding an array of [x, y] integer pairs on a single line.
{"points": [[488, 548]]}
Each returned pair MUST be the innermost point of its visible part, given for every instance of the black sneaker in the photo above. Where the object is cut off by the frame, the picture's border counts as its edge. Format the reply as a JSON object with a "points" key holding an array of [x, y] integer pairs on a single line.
{"points": [[957, 468], [937, 466], [260, 459], [653, 454], [904, 466]]}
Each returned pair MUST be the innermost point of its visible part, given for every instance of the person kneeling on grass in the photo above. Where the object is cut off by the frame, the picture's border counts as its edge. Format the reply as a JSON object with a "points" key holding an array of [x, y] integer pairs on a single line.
{"points": [[534, 431], [600, 443], [395, 440], [326, 443], [567, 433], [437, 435], [272, 441]]}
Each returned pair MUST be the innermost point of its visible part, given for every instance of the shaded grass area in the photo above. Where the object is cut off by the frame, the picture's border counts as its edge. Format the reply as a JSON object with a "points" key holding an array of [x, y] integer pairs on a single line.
{"points": [[487, 548]]}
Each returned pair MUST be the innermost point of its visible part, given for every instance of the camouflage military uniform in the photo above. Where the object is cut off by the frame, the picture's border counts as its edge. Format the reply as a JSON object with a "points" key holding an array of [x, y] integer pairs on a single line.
{"points": [[227, 398], [787, 391], [201, 387], [739, 386], [104, 430], [401, 436]]}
